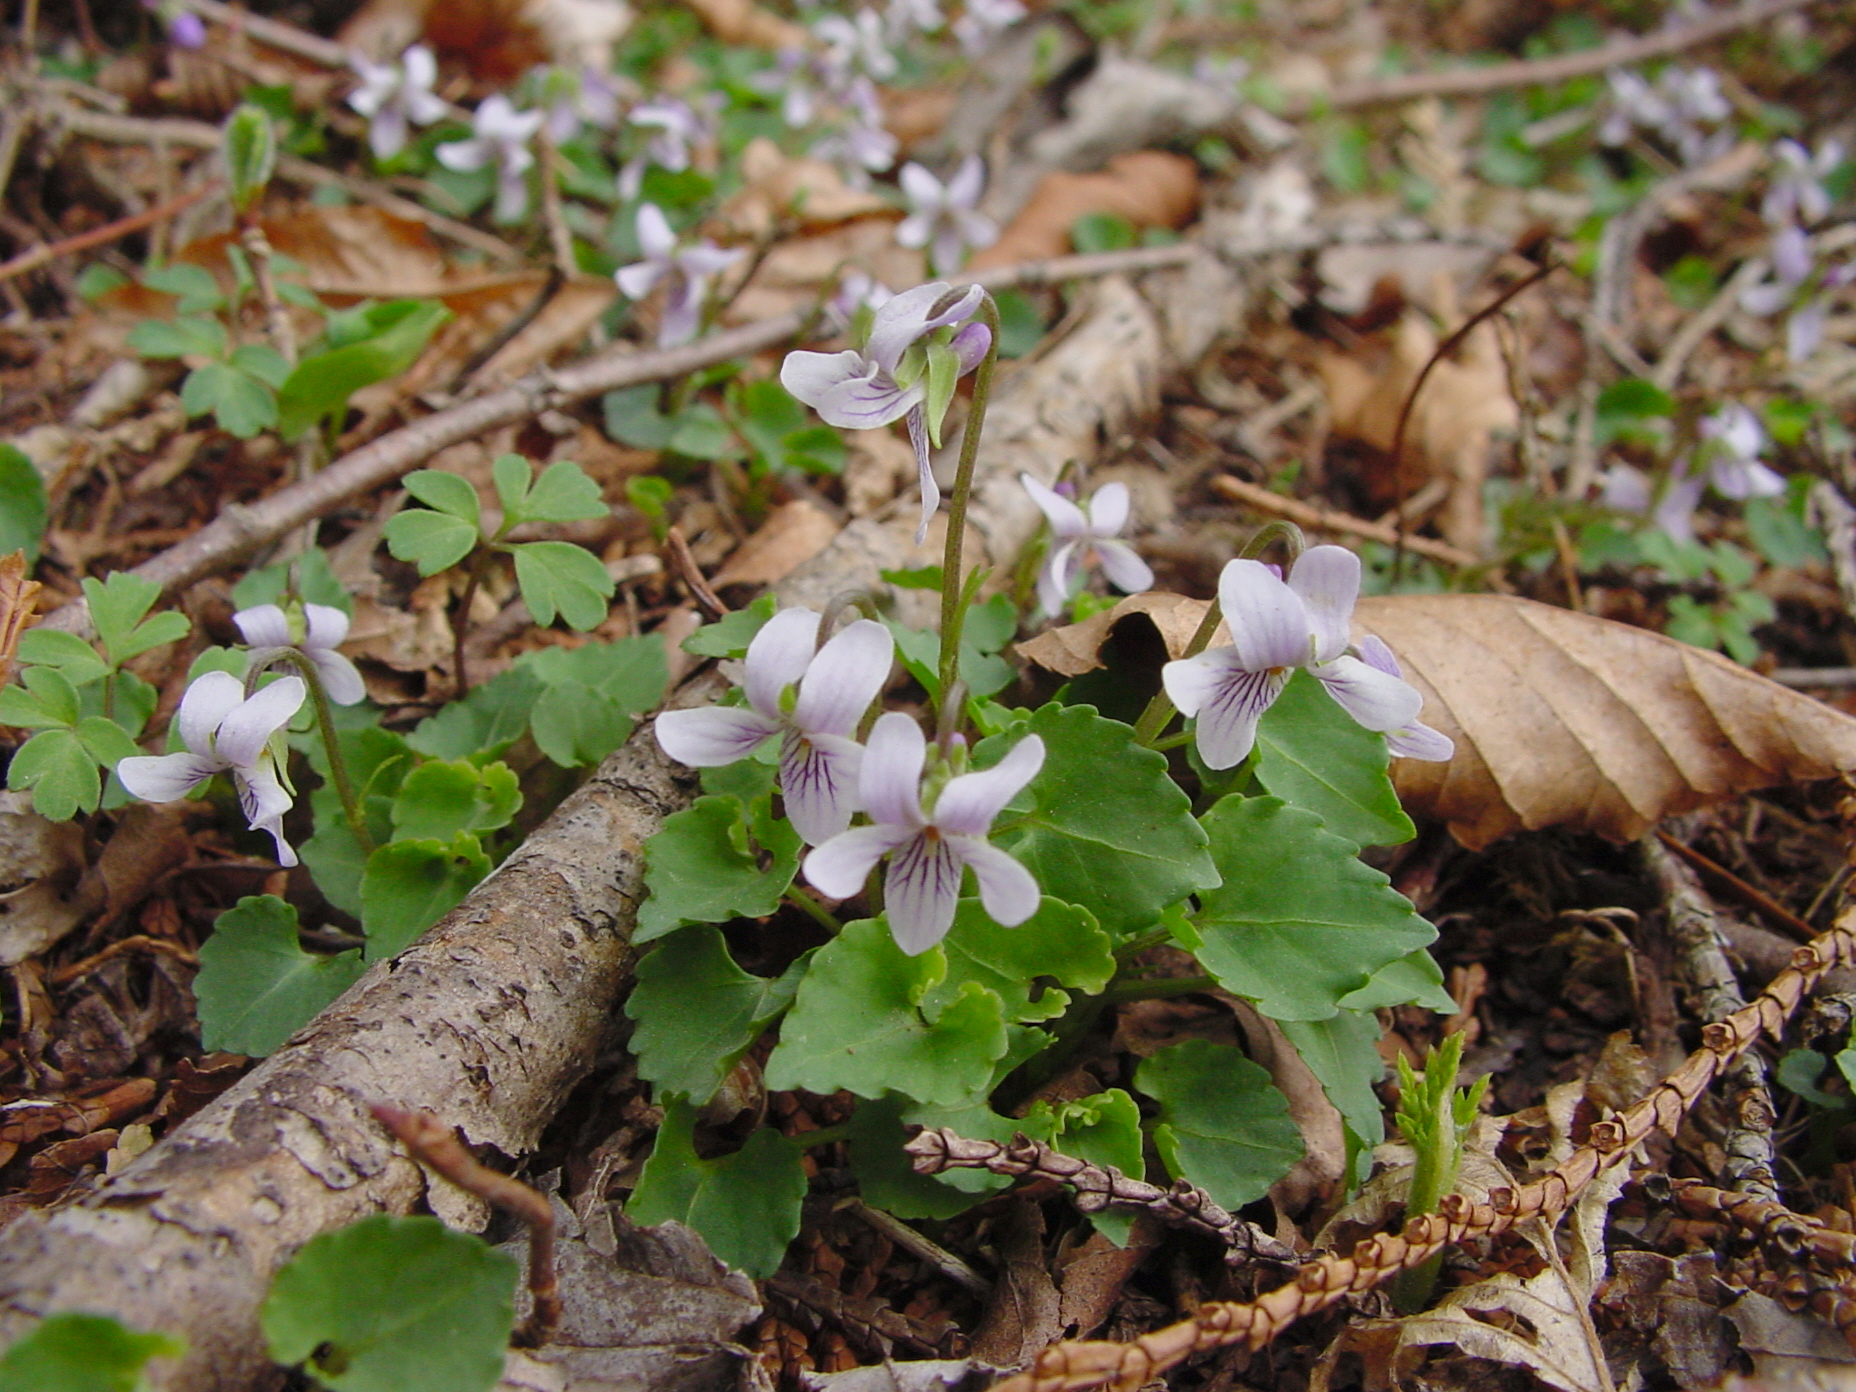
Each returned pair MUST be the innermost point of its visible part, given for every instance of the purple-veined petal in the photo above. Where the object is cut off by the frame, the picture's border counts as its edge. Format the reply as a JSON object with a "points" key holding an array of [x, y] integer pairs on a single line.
{"points": [[963, 308], [682, 314], [248, 728], [640, 278], [713, 735], [324, 626], [808, 376], [1327, 581], [341, 683], [212, 697], [1126, 571], [655, 239], [1268, 622], [1055, 579], [1227, 728], [931, 491], [1375, 653], [264, 801], [264, 626], [921, 891], [1008, 890], [840, 866], [165, 777], [778, 658], [845, 677], [864, 403], [892, 776], [818, 778], [1067, 520], [969, 803], [1192, 681], [1371, 697], [899, 322], [1108, 509], [1420, 742]]}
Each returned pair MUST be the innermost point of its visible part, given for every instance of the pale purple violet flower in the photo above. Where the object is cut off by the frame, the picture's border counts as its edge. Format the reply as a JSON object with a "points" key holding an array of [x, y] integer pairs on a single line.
{"points": [[983, 20], [1629, 490], [677, 126], [687, 269], [576, 98], [500, 135], [1732, 440], [942, 217], [854, 46], [904, 19], [857, 291], [322, 632], [1797, 284], [793, 79], [1796, 188], [889, 378], [395, 96], [226, 731], [863, 146], [1673, 108], [820, 758], [1413, 741], [185, 28], [929, 849], [1086, 534], [1275, 628]]}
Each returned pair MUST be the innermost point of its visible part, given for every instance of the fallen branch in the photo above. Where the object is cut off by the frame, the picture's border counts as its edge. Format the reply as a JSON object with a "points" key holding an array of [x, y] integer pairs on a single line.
{"points": [[1085, 1364], [1328, 520]]}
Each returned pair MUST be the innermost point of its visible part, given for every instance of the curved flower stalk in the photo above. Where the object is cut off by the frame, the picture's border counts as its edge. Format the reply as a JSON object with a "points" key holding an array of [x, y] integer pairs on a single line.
{"points": [[929, 849], [317, 635], [226, 731], [688, 269], [1413, 741], [907, 367], [943, 217], [1275, 628], [500, 135], [815, 697], [1087, 533], [396, 96]]}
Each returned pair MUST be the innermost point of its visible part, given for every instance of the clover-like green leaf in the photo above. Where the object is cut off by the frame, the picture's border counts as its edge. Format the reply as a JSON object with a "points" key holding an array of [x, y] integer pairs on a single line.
{"points": [[705, 865], [442, 797], [118, 604], [563, 493], [409, 885], [75, 1352], [745, 1205], [560, 577], [179, 338], [730, 635], [394, 1305], [1102, 824], [105, 741], [1299, 922], [60, 773], [1059, 943], [44, 700], [697, 1011], [445, 492], [431, 540], [1312, 754], [1223, 1124], [22, 503], [257, 986], [193, 286], [71, 655], [243, 404], [890, 1040]]}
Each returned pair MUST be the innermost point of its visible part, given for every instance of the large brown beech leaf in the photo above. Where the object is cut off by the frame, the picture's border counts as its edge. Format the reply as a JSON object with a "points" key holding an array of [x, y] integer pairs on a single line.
{"points": [[1560, 719]]}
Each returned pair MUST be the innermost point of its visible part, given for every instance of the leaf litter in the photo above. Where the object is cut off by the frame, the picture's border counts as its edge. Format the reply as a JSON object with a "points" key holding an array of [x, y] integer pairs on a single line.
{"points": [[1563, 721]]}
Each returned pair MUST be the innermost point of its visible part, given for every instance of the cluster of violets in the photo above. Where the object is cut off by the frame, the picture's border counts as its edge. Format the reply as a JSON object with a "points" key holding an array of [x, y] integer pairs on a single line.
{"points": [[1682, 108], [1800, 280], [226, 727], [1728, 457]]}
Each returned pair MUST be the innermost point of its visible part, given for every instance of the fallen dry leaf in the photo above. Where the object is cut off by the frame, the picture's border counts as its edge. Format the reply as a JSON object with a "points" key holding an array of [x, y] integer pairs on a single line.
{"points": [[744, 22], [791, 536], [1148, 188], [1560, 719], [497, 40], [1464, 401], [19, 598], [781, 191]]}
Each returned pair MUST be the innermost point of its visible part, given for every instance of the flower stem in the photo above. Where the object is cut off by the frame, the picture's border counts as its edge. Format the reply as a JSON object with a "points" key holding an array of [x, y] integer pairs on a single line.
{"points": [[954, 596], [809, 906], [1159, 712], [325, 725]]}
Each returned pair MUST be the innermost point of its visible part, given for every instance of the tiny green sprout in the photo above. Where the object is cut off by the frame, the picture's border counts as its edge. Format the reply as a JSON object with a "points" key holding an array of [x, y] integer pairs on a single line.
{"points": [[250, 150], [1435, 1116]]}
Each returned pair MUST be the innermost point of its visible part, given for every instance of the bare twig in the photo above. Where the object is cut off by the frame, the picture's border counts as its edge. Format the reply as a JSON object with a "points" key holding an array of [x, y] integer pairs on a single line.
{"points": [[285, 38], [1754, 898], [1074, 1367], [1328, 520], [137, 942], [922, 1246], [34, 257], [872, 1320], [435, 1144], [1538, 72], [684, 564]]}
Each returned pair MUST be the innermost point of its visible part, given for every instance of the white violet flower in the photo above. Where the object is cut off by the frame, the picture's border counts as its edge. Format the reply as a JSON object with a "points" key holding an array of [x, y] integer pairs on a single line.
{"points": [[812, 696], [1732, 441], [1796, 190], [1086, 534], [500, 135], [942, 217], [894, 374], [687, 269], [322, 630], [929, 849], [983, 20], [395, 96], [1413, 741], [677, 126], [1276, 627], [226, 731], [855, 46]]}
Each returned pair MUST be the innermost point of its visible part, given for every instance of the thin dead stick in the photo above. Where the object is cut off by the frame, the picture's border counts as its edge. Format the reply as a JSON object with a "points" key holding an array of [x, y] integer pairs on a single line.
{"points": [[435, 1144], [1326, 519], [285, 38], [684, 564], [37, 256], [1761, 903], [1332, 1277], [139, 942], [1540, 72]]}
